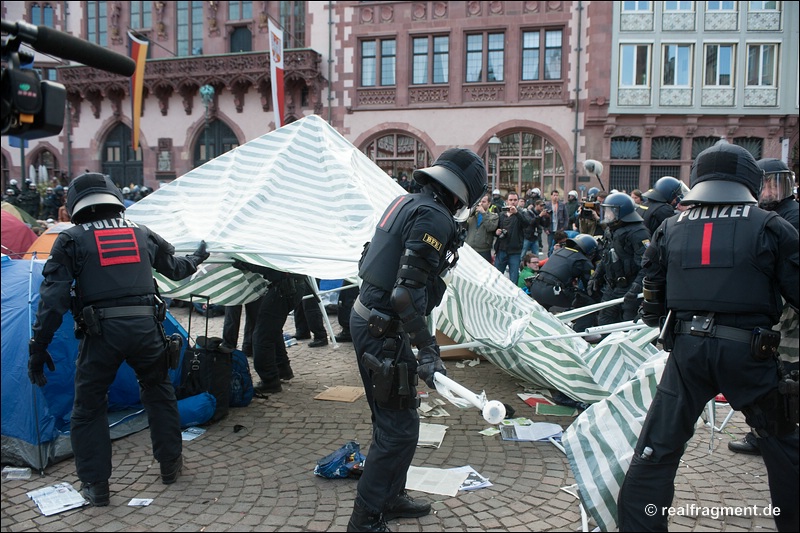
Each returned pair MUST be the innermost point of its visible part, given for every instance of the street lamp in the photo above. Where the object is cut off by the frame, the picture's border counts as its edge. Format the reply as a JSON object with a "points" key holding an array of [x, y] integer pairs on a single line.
{"points": [[494, 153], [207, 94]]}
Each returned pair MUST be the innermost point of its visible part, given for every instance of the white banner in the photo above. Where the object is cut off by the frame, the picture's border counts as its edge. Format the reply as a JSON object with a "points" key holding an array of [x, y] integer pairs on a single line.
{"points": [[276, 71]]}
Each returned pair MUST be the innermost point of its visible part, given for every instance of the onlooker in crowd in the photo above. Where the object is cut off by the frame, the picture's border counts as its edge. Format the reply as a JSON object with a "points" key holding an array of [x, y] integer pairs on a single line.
{"points": [[636, 196], [572, 206], [558, 219], [619, 272], [509, 238], [528, 268], [535, 217], [497, 202], [404, 183], [111, 265], [589, 213], [481, 226]]}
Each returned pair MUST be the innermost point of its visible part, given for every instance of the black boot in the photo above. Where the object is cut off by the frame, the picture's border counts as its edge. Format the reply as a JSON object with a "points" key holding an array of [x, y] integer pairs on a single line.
{"points": [[97, 493], [363, 519], [404, 506], [266, 387], [748, 445], [170, 470]]}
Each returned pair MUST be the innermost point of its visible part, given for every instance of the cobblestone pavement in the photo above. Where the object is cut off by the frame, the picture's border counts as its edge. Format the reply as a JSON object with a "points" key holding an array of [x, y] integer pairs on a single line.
{"points": [[261, 477]]}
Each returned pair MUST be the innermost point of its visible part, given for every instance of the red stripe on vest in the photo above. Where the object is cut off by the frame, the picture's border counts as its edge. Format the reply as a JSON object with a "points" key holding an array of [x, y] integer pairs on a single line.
{"points": [[708, 227], [117, 246], [389, 213]]}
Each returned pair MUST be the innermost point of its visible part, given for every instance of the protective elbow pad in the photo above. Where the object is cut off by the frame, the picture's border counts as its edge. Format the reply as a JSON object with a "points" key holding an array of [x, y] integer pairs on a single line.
{"points": [[413, 323], [654, 298], [413, 270]]}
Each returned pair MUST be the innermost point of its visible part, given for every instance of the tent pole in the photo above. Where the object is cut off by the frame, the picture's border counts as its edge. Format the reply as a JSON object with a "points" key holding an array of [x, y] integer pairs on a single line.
{"points": [[578, 312], [33, 387]]}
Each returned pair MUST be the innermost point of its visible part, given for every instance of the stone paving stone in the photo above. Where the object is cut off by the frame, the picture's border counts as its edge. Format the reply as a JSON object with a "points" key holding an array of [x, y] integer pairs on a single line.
{"points": [[260, 478]]}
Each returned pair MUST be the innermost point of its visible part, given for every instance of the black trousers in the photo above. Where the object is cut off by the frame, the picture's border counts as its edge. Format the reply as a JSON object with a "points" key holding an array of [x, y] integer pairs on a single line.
{"points": [[269, 349], [616, 313], [232, 323], [394, 432], [697, 370], [139, 341]]}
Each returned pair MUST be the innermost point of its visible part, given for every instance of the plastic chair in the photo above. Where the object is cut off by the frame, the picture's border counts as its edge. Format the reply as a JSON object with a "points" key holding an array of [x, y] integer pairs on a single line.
{"points": [[711, 417]]}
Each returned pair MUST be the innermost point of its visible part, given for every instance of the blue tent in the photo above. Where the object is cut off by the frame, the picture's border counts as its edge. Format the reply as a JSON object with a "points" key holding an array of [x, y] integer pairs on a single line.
{"points": [[36, 421]]}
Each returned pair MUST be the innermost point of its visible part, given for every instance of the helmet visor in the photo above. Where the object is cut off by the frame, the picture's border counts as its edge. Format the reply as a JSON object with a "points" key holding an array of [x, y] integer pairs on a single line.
{"points": [[609, 213], [775, 187]]}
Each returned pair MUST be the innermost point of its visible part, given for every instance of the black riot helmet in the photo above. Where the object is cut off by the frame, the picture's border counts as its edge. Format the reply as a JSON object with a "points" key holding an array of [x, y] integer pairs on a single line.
{"points": [[778, 183], [585, 243], [90, 192], [724, 174], [618, 208], [462, 173], [667, 189]]}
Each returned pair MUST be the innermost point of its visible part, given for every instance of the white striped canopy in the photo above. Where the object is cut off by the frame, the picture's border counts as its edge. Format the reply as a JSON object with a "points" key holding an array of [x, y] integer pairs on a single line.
{"points": [[303, 199]]}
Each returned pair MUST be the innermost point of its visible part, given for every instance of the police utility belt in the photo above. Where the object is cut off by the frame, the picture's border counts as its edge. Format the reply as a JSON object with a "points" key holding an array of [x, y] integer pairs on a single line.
{"points": [[621, 282], [763, 342], [379, 324], [92, 316]]}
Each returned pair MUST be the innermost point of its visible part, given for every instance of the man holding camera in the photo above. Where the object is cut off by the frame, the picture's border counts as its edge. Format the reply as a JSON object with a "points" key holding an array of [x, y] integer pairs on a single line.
{"points": [[509, 238], [115, 305]]}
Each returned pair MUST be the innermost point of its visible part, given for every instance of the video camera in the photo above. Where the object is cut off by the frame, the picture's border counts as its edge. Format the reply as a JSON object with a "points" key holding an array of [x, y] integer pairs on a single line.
{"points": [[33, 108], [587, 207]]}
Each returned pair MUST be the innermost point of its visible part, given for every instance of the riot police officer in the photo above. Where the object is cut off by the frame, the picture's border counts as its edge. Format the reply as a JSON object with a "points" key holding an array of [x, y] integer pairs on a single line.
{"points": [[414, 245], [557, 282], [717, 272], [114, 302], [618, 274], [661, 202], [776, 195]]}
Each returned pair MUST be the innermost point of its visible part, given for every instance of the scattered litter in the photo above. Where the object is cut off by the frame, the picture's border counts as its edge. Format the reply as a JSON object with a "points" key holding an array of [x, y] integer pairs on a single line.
{"points": [[431, 435], [555, 410], [442, 481], [341, 393], [140, 502], [192, 433], [12, 472], [474, 362], [489, 432], [474, 480], [57, 498]]}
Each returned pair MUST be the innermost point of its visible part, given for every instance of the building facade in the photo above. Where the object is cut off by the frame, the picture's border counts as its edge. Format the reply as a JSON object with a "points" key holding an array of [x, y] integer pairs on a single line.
{"points": [[640, 86]]}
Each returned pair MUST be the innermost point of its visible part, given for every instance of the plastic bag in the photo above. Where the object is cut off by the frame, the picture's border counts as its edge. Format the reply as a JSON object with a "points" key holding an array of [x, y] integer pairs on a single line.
{"points": [[347, 461]]}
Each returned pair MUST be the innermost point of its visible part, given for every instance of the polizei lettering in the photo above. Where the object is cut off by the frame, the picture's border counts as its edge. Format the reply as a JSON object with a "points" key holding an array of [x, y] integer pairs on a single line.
{"points": [[110, 223], [713, 212]]}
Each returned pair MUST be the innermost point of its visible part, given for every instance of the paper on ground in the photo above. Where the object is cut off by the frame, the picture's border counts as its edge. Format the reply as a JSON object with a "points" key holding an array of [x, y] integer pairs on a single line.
{"points": [[192, 433], [435, 480], [17, 473], [539, 431], [140, 502], [57, 498], [474, 480], [431, 435]]}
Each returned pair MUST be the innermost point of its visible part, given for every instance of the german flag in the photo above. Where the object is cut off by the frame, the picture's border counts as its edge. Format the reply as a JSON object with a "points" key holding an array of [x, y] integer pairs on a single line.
{"points": [[138, 52]]}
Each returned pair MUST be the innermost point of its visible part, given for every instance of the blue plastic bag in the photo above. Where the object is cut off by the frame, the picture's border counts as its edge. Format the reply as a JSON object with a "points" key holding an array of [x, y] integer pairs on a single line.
{"points": [[196, 410], [347, 461]]}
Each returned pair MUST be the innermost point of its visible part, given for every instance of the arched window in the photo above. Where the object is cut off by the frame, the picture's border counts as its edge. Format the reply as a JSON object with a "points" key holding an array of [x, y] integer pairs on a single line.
{"points": [[42, 14], [398, 154], [527, 160], [119, 160], [215, 139]]}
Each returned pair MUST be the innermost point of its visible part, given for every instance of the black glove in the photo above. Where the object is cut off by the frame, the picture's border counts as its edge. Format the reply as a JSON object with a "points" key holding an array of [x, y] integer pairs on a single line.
{"points": [[592, 287], [632, 295], [240, 265], [200, 255], [38, 357], [429, 362]]}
